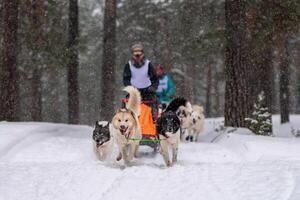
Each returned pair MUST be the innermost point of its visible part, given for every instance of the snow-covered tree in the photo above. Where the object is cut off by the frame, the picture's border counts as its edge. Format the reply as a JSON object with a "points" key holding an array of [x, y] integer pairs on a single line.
{"points": [[260, 122]]}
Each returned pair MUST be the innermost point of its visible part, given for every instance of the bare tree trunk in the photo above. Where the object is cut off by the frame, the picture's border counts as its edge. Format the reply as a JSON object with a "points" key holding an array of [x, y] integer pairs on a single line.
{"points": [[55, 113], [73, 93], [297, 111], [108, 65], [9, 104], [189, 10], [298, 80], [35, 15], [208, 90], [180, 85], [36, 90], [189, 82], [236, 69], [284, 84], [167, 60], [217, 92], [275, 104]]}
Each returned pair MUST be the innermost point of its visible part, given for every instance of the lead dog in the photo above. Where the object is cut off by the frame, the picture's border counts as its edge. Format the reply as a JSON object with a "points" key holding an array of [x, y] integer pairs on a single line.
{"points": [[168, 129], [103, 140], [126, 126]]}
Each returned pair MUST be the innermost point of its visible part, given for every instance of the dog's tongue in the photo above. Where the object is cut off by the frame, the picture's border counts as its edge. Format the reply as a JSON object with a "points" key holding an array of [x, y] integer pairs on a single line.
{"points": [[123, 130]]}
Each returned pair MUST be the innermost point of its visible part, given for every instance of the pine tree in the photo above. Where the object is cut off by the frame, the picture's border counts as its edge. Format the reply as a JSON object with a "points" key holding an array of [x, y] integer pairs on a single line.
{"points": [[260, 122]]}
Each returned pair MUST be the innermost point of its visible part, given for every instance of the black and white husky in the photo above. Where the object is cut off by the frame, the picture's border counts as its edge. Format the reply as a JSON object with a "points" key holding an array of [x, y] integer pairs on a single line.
{"points": [[168, 129], [103, 140]]}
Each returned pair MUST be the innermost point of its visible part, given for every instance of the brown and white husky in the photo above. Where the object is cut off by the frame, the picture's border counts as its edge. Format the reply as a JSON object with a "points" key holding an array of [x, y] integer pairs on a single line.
{"points": [[126, 126]]}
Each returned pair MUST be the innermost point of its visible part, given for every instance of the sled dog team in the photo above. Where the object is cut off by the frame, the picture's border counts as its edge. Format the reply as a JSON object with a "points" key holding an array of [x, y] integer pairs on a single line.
{"points": [[178, 120]]}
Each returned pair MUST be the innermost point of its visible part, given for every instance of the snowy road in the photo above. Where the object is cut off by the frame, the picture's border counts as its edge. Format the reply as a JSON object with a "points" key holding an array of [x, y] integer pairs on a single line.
{"points": [[56, 161]]}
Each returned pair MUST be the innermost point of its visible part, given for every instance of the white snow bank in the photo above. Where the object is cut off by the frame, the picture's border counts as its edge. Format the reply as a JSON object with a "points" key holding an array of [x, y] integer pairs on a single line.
{"points": [[56, 161]]}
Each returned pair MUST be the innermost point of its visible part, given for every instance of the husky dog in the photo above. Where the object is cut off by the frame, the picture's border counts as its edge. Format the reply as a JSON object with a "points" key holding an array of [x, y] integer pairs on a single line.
{"points": [[197, 122], [184, 113], [168, 129], [103, 140], [126, 126]]}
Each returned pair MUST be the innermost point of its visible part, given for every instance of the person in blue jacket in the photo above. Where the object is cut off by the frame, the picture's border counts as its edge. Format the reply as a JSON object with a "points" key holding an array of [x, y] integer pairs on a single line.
{"points": [[166, 89]]}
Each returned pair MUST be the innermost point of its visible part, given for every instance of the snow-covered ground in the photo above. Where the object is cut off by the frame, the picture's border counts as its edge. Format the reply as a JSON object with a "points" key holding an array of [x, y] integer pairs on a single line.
{"points": [[55, 161]]}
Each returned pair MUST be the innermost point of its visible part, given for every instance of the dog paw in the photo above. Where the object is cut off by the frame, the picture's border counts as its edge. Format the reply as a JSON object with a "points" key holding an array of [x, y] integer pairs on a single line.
{"points": [[119, 157], [187, 138], [169, 164], [191, 138]]}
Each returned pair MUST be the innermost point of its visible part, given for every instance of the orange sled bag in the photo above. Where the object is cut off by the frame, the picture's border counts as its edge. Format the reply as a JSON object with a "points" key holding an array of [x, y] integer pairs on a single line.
{"points": [[146, 121]]}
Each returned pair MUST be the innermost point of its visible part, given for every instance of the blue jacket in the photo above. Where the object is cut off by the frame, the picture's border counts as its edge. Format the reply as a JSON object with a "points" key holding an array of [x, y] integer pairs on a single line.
{"points": [[166, 89]]}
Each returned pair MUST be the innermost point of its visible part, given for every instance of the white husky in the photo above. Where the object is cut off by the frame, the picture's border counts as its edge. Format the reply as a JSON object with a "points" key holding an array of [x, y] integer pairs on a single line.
{"points": [[197, 122]]}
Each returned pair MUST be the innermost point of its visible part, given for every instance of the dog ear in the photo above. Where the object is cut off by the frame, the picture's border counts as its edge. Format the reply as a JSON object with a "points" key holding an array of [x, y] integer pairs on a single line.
{"points": [[121, 110], [189, 106], [96, 124]]}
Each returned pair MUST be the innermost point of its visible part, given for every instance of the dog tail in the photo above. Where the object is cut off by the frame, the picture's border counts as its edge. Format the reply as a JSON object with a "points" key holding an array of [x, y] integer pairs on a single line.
{"points": [[134, 100], [177, 102]]}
